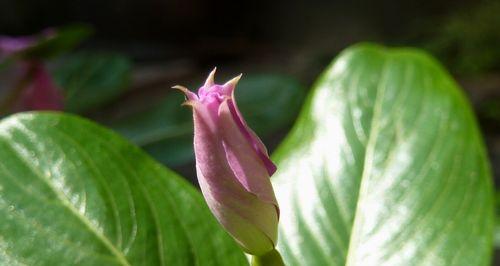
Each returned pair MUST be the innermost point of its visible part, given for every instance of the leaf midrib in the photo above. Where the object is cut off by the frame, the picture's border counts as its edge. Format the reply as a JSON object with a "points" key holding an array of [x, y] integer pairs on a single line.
{"points": [[370, 146]]}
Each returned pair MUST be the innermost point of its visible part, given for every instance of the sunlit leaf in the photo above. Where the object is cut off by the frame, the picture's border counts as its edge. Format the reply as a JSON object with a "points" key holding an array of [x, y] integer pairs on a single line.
{"points": [[74, 193], [386, 166]]}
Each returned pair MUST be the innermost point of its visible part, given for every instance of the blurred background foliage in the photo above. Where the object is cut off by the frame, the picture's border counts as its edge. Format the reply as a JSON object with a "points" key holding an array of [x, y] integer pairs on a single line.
{"points": [[468, 40], [115, 61]]}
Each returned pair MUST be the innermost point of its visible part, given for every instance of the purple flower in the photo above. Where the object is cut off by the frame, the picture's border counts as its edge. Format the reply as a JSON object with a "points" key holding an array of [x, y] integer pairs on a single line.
{"points": [[233, 167]]}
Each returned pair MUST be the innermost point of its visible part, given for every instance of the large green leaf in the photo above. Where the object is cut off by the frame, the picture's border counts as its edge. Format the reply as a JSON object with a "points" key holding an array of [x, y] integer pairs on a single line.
{"points": [[386, 166], [269, 102], [74, 193]]}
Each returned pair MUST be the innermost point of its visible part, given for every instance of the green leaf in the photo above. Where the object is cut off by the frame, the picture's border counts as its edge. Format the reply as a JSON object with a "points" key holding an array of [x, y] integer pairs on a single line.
{"points": [[268, 102], [386, 166], [165, 130], [74, 193], [90, 80]]}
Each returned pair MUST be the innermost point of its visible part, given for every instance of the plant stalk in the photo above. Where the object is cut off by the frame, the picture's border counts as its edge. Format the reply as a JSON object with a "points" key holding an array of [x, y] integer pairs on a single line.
{"points": [[272, 258]]}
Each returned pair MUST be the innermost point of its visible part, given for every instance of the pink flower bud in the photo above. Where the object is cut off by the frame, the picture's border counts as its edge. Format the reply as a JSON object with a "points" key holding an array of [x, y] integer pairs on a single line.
{"points": [[41, 93], [233, 167]]}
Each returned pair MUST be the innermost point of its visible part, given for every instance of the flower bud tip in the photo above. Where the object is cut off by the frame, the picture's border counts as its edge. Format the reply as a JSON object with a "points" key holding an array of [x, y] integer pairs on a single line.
{"points": [[210, 80], [189, 94], [233, 81]]}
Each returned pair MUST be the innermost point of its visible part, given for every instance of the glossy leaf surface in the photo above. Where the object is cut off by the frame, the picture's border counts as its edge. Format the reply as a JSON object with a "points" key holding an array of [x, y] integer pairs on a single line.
{"points": [[386, 166], [74, 193]]}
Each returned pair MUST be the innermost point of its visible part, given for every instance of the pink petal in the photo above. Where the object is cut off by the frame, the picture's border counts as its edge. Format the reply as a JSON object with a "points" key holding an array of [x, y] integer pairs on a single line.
{"points": [[251, 137], [240, 147]]}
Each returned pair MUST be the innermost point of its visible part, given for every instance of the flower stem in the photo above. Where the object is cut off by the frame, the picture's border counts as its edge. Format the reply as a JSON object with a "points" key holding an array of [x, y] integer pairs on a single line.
{"points": [[272, 258]]}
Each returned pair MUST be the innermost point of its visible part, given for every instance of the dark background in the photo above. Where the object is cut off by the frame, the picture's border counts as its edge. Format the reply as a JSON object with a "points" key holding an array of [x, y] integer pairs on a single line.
{"points": [[209, 31]]}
